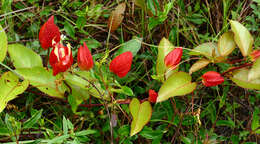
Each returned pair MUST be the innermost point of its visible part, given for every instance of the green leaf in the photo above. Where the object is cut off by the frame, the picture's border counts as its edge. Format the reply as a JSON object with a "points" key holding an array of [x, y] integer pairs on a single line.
{"points": [[3, 44], [33, 120], [127, 90], [199, 65], [240, 77], [69, 29], [43, 79], [228, 123], [206, 49], [163, 49], [242, 37], [10, 87], [254, 72], [77, 96], [177, 84], [226, 44], [24, 57], [85, 132], [83, 84], [141, 114], [255, 122], [65, 125], [132, 45]]}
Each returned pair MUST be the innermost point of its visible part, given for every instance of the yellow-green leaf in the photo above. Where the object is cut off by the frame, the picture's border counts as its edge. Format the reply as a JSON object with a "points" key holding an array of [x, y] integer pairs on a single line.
{"points": [[177, 84], [3, 44], [240, 77], [163, 49], [80, 82], [206, 49], [254, 72], [116, 17], [199, 65], [226, 43], [10, 87], [43, 80], [141, 114], [242, 37], [24, 57]]}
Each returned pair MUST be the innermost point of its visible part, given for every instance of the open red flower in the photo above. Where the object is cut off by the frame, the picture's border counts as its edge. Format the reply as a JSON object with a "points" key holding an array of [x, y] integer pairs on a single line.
{"points": [[121, 64], [85, 60], [49, 33], [60, 58], [212, 78], [173, 58], [254, 55], [152, 96]]}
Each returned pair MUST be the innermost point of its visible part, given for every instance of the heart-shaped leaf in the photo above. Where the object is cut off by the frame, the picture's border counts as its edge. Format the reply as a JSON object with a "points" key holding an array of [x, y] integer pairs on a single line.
{"points": [[163, 49], [177, 84], [206, 49], [254, 72], [132, 45], [116, 17], [10, 87], [198, 65], [43, 80], [226, 44], [141, 114], [240, 77], [242, 37], [3, 44], [24, 57]]}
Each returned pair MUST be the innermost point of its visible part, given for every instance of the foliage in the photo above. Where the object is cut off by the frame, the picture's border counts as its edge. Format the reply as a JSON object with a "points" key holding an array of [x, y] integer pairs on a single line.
{"points": [[51, 98]]}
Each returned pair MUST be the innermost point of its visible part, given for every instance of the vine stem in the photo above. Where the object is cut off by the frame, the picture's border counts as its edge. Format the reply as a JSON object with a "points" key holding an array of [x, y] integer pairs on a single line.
{"points": [[236, 68], [105, 104]]}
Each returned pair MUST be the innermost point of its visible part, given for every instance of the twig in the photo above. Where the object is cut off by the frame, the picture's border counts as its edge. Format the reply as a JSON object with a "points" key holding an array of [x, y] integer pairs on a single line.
{"points": [[235, 68]]}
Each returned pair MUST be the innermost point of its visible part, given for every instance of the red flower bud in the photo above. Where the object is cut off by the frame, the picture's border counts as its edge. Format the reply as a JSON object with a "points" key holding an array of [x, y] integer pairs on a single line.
{"points": [[152, 96], [212, 78], [173, 58], [60, 58], [254, 55], [49, 32], [85, 61], [121, 64]]}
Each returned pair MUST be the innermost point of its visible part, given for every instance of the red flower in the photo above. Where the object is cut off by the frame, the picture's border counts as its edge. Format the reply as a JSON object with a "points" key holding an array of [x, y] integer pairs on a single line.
{"points": [[152, 96], [60, 58], [121, 64], [49, 32], [212, 78], [173, 58], [254, 55], [85, 61]]}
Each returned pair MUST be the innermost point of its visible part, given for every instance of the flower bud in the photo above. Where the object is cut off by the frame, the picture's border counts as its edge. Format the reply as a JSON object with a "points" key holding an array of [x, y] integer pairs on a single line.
{"points": [[152, 96], [49, 34], [254, 55], [212, 78], [173, 58], [121, 64], [60, 58], [85, 61]]}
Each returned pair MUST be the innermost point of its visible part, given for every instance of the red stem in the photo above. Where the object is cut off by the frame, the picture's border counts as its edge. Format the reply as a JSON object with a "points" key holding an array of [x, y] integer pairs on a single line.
{"points": [[235, 68]]}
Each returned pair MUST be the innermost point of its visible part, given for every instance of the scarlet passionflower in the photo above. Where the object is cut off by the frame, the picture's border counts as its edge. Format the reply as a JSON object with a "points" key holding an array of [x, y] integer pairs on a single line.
{"points": [[60, 58], [121, 64], [49, 34], [85, 61], [173, 58], [152, 96], [212, 78]]}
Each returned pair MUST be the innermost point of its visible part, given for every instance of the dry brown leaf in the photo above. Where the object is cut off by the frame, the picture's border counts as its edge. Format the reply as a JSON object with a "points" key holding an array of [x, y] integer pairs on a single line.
{"points": [[116, 17]]}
